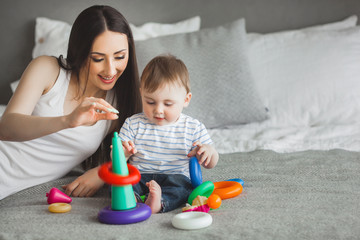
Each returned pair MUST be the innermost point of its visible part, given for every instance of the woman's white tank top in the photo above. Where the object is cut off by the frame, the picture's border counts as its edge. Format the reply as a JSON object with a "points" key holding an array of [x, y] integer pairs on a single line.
{"points": [[29, 163]]}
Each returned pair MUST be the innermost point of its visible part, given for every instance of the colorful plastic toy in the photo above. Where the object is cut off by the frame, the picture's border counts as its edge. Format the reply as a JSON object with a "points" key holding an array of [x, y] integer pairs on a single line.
{"points": [[214, 201], [195, 172], [59, 207], [57, 196], [205, 189], [237, 180], [227, 189], [124, 209], [191, 220], [199, 204]]}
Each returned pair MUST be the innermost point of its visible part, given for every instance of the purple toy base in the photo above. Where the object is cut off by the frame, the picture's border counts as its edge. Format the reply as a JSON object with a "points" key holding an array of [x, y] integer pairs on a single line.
{"points": [[140, 213]]}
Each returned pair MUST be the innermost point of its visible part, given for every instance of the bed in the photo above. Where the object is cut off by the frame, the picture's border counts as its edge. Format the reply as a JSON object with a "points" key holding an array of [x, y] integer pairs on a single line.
{"points": [[280, 95]]}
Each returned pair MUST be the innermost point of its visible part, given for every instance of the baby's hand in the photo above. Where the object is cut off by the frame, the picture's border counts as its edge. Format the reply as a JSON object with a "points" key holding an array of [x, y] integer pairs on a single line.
{"points": [[205, 153], [129, 148]]}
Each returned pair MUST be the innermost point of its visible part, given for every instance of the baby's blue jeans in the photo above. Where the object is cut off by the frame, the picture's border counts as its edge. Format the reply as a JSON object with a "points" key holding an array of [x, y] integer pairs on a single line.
{"points": [[175, 189]]}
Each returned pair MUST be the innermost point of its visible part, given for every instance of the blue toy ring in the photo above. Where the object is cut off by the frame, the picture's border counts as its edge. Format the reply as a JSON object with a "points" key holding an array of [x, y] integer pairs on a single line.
{"points": [[237, 180], [140, 213], [195, 172]]}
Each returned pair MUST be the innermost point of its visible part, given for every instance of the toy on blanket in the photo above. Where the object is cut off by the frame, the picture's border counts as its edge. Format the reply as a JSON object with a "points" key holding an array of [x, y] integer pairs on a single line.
{"points": [[59, 201], [195, 172], [57, 196], [206, 195], [209, 195], [199, 204], [124, 209]]}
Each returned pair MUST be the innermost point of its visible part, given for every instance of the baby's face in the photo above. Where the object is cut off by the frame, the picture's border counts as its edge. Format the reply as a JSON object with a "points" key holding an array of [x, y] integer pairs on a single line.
{"points": [[165, 105]]}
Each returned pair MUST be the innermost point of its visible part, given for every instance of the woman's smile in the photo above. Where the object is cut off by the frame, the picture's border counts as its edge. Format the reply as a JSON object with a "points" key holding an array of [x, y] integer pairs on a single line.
{"points": [[107, 80]]}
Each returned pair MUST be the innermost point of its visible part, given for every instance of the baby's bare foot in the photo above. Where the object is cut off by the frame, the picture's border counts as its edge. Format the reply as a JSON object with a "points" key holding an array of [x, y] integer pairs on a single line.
{"points": [[154, 198]]}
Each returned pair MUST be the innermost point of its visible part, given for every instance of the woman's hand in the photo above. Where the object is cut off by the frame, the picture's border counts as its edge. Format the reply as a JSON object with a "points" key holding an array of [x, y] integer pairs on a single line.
{"points": [[86, 185], [205, 153], [90, 111]]}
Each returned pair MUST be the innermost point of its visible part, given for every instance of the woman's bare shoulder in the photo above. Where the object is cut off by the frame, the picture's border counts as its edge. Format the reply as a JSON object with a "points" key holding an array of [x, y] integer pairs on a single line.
{"points": [[44, 70]]}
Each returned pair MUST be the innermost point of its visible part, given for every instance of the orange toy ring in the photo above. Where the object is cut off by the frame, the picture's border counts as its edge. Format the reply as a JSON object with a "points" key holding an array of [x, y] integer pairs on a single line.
{"points": [[227, 189], [115, 179]]}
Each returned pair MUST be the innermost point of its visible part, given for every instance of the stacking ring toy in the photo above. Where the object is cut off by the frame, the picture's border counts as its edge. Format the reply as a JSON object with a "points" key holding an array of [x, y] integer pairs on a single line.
{"points": [[195, 172], [124, 209], [59, 207], [205, 189], [191, 220], [227, 189], [140, 213], [116, 179], [237, 180]]}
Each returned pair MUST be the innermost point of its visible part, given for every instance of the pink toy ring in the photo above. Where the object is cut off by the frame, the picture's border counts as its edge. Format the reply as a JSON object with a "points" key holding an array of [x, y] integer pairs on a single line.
{"points": [[115, 179]]}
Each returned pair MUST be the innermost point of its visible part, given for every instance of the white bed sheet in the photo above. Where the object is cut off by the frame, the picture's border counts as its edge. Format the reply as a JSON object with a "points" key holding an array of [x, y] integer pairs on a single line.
{"points": [[265, 135]]}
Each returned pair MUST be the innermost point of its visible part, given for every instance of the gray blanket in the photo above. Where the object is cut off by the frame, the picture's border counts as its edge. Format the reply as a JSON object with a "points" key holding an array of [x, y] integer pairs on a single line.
{"points": [[303, 195]]}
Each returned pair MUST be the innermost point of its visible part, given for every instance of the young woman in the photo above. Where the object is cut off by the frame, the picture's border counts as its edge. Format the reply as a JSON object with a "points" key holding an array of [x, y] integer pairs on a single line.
{"points": [[64, 110]]}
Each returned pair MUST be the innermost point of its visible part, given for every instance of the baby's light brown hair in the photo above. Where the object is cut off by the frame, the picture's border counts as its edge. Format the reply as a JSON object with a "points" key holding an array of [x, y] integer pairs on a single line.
{"points": [[164, 69]]}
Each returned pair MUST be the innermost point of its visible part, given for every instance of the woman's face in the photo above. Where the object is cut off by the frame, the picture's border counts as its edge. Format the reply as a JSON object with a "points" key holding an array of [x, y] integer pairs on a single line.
{"points": [[107, 60]]}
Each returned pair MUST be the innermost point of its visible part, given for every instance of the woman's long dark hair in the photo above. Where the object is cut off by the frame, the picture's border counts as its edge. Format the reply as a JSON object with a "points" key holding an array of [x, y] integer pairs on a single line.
{"points": [[88, 25]]}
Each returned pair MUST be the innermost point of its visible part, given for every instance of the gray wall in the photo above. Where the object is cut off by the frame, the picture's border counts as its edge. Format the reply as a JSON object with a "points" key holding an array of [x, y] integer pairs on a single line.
{"points": [[18, 20]]}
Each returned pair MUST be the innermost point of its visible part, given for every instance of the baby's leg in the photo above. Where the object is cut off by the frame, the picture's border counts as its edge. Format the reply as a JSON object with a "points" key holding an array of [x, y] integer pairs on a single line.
{"points": [[154, 198]]}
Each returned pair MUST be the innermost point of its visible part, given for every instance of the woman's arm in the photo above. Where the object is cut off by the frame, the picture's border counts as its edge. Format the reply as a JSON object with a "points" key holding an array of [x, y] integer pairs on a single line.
{"points": [[17, 123]]}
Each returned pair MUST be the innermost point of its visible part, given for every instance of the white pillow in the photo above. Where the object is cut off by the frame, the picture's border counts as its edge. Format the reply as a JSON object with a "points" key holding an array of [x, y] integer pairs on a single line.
{"points": [[151, 29], [52, 36], [309, 76]]}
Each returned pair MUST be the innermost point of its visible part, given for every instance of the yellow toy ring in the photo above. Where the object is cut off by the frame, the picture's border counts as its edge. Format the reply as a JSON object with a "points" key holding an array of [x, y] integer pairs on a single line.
{"points": [[227, 189], [59, 207]]}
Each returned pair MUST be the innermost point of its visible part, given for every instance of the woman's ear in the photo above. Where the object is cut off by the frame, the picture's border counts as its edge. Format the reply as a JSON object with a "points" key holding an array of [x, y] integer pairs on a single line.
{"points": [[187, 99]]}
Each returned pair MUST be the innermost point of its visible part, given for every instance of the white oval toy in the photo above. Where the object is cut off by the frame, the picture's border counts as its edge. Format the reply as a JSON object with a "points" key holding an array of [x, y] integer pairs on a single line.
{"points": [[191, 220]]}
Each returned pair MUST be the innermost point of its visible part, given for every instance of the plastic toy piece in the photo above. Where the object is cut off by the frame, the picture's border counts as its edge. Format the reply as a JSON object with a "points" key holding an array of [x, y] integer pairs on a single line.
{"points": [[205, 189], [214, 201], [118, 180], [122, 197], [199, 204], [203, 208], [195, 172], [227, 189], [124, 209], [237, 180], [138, 214], [59, 207], [57, 196], [191, 220]]}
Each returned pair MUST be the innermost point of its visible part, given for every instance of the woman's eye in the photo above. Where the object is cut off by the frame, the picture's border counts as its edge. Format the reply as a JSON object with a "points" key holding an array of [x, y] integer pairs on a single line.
{"points": [[120, 58], [97, 59]]}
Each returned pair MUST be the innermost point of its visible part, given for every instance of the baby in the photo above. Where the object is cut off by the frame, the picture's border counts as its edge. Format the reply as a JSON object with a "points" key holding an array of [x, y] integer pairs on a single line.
{"points": [[160, 140]]}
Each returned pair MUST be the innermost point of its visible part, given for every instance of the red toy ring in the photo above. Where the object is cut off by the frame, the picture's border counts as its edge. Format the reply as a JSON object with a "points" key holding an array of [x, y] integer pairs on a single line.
{"points": [[227, 189], [118, 180]]}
